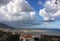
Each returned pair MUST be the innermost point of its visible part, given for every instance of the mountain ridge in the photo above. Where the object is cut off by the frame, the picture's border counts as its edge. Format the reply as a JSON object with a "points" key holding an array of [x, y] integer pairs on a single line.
{"points": [[2, 25]]}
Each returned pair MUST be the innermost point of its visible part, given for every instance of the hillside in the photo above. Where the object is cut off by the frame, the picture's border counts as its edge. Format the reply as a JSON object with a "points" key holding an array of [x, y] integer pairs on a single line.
{"points": [[5, 26]]}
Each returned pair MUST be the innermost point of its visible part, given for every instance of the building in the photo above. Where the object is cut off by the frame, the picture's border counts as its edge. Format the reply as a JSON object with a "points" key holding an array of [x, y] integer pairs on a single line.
{"points": [[39, 35]]}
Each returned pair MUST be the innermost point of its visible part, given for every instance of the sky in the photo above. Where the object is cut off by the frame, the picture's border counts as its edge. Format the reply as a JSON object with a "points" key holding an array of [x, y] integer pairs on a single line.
{"points": [[30, 13]]}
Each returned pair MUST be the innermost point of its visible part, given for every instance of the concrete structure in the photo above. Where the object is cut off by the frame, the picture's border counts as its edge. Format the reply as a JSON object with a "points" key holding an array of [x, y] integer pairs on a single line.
{"points": [[36, 35]]}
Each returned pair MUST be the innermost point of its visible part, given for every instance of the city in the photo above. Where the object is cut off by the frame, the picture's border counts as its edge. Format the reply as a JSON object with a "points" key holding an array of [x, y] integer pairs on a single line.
{"points": [[29, 35], [29, 20]]}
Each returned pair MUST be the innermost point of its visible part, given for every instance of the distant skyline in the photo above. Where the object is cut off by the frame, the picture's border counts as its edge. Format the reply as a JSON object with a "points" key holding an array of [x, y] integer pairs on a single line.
{"points": [[30, 13]]}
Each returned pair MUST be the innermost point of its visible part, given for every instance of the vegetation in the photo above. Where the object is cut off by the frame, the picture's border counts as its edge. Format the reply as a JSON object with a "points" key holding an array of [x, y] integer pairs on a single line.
{"points": [[13, 38], [4, 36]]}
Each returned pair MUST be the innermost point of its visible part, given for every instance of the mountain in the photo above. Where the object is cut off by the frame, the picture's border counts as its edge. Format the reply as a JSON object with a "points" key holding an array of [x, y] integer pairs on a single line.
{"points": [[5, 26]]}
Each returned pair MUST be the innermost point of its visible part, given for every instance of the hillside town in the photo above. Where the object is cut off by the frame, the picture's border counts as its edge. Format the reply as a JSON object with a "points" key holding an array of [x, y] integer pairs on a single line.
{"points": [[28, 35], [29, 20]]}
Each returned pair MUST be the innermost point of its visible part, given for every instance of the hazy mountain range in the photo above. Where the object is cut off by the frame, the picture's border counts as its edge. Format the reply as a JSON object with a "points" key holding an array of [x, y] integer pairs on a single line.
{"points": [[47, 31], [2, 25], [5, 26]]}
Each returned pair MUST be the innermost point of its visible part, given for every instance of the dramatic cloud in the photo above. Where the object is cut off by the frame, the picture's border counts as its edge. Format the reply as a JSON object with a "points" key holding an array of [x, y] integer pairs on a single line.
{"points": [[15, 10], [51, 10], [17, 13], [4, 2]]}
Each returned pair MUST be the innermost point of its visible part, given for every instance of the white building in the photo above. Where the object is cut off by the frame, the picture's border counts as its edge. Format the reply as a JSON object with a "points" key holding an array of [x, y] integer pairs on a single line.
{"points": [[34, 35]]}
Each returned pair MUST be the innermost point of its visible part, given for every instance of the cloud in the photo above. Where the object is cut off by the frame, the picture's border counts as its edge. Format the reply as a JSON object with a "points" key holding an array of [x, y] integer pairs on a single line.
{"points": [[51, 11], [15, 10], [17, 13], [3, 2], [40, 2]]}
